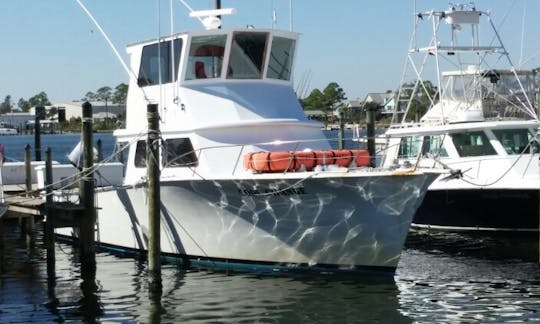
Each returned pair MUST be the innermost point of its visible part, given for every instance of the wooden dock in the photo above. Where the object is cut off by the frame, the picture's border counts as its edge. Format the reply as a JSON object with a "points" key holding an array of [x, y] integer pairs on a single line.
{"points": [[20, 206]]}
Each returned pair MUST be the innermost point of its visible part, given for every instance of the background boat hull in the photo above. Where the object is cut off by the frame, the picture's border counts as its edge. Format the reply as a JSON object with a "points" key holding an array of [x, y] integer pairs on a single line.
{"points": [[480, 209]]}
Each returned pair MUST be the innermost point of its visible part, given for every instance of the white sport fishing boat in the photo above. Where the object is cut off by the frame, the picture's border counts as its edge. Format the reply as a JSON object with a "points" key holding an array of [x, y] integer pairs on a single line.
{"points": [[247, 180], [481, 119]]}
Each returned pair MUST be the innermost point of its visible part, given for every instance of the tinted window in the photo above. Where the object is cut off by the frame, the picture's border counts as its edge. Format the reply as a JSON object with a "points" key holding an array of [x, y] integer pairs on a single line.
{"points": [[156, 63], [409, 147], [247, 56], [472, 144], [205, 57], [281, 57], [178, 152], [140, 154], [432, 147], [515, 141]]}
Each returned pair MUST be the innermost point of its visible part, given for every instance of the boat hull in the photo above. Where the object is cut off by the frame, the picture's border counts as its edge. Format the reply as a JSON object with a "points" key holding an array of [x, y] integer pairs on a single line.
{"points": [[342, 223], [479, 210]]}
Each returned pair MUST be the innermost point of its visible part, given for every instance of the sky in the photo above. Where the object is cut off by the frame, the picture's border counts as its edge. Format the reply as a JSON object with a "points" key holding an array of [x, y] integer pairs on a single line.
{"points": [[53, 46]]}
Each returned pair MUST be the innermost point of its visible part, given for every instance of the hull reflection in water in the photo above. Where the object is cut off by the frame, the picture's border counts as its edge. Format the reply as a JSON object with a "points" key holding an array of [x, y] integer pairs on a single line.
{"points": [[433, 283], [344, 224]]}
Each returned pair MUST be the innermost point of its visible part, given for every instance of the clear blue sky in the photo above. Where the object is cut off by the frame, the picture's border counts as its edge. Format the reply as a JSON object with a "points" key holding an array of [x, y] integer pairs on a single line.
{"points": [[52, 46]]}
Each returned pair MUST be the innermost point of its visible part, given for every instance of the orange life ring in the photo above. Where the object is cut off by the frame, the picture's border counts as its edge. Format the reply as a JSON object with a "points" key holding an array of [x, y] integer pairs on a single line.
{"points": [[306, 159], [362, 158], [282, 161], [272, 161]]}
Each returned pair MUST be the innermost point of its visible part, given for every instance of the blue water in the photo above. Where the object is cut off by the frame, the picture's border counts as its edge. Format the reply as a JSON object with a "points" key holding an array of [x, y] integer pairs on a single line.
{"points": [[60, 145], [443, 278]]}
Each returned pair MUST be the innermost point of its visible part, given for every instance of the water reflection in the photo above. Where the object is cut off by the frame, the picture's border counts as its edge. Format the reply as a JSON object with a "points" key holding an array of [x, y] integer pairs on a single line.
{"points": [[461, 280], [464, 277]]}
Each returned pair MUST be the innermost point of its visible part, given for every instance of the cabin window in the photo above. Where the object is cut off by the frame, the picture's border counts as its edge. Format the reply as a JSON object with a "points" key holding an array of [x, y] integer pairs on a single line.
{"points": [[156, 64], [472, 144], [433, 147], [205, 57], [140, 154], [515, 141], [281, 58], [247, 56], [178, 152], [119, 151], [409, 147]]}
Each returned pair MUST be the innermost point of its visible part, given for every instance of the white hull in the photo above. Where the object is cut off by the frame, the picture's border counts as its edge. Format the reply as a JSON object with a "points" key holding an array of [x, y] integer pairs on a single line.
{"points": [[343, 223]]}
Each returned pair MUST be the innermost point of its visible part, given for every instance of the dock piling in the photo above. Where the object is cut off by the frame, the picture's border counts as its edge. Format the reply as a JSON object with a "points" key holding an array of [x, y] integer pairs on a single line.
{"points": [[370, 128], [27, 170], [88, 220], [154, 223], [49, 223], [39, 115]]}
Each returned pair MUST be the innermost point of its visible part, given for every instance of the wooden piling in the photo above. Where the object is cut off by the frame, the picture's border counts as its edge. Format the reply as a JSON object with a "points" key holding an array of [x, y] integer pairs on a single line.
{"points": [[154, 223], [88, 220], [39, 114], [28, 224], [341, 129], [27, 170], [49, 223], [370, 128]]}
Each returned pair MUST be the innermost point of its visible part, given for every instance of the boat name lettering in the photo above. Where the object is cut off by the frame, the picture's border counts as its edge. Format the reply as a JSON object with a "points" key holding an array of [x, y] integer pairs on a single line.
{"points": [[274, 192]]}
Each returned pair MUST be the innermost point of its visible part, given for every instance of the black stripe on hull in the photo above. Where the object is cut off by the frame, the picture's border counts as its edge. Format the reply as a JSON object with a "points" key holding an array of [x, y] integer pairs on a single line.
{"points": [[480, 209], [246, 266]]}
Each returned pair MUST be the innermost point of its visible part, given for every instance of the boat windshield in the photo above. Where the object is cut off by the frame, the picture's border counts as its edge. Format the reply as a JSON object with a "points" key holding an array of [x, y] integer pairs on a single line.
{"points": [[206, 57], [497, 93], [251, 55], [247, 56]]}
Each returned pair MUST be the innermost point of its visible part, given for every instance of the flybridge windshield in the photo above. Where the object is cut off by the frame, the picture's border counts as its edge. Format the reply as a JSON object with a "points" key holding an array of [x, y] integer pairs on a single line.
{"points": [[252, 55], [499, 92]]}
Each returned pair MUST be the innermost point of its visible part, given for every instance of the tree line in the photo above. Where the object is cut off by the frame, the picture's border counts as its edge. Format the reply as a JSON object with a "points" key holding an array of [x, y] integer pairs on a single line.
{"points": [[104, 94], [332, 97]]}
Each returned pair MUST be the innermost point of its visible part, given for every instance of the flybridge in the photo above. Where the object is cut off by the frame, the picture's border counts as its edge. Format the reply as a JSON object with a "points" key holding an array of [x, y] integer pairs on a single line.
{"points": [[226, 54], [189, 73]]}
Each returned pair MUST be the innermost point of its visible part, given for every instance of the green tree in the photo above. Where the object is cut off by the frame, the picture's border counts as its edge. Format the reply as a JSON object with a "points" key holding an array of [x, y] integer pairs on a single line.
{"points": [[333, 95], [90, 96], [104, 94], [40, 99], [315, 100], [119, 95], [119, 98], [7, 105], [24, 105], [425, 96], [328, 99]]}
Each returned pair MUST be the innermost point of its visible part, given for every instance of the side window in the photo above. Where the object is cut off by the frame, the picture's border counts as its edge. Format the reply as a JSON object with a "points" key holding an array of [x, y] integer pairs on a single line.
{"points": [[120, 152], [432, 147], [515, 141], [247, 56], [156, 64], [409, 147], [205, 57], [140, 154], [281, 58], [178, 152], [472, 144]]}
